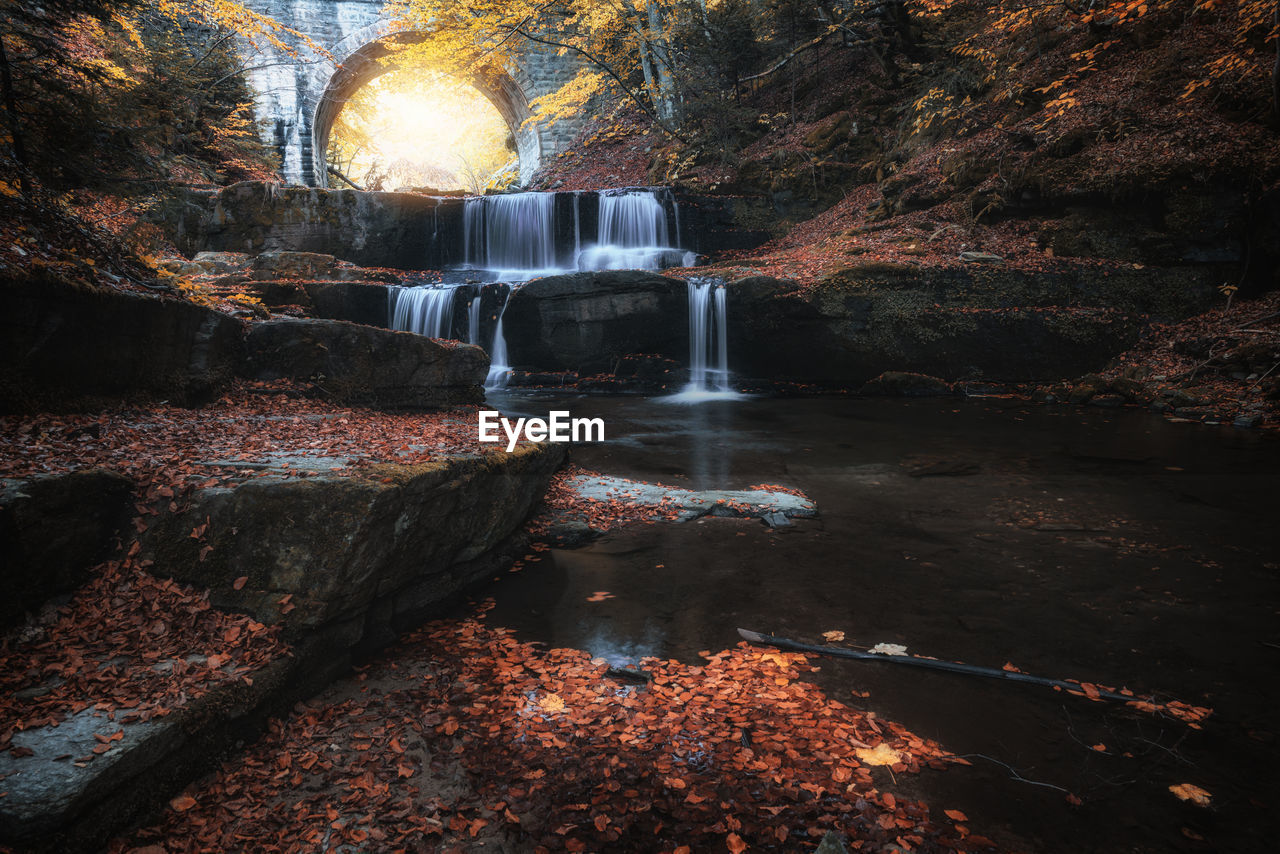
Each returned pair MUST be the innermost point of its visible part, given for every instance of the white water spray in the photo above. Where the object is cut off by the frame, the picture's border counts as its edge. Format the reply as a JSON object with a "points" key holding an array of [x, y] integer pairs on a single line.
{"points": [[473, 321], [425, 310], [499, 370], [708, 343], [512, 235], [632, 234]]}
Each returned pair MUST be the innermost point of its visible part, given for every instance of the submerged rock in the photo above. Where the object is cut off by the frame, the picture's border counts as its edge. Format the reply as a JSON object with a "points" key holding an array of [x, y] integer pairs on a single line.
{"points": [[571, 522]]}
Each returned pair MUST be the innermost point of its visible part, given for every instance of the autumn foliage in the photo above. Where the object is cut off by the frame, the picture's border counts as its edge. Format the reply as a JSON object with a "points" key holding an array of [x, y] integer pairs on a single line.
{"points": [[556, 752]]}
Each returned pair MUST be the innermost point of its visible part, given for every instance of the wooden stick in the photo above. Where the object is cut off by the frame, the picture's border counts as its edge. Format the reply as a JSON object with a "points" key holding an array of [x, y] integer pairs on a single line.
{"points": [[931, 664]]}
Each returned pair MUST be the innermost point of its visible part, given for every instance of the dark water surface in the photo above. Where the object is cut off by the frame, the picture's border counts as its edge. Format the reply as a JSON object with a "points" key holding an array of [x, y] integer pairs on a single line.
{"points": [[1106, 546]]}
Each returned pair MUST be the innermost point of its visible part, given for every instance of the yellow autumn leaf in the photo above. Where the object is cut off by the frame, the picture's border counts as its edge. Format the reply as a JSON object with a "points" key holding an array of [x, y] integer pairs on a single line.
{"points": [[551, 703], [833, 636], [881, 754]]}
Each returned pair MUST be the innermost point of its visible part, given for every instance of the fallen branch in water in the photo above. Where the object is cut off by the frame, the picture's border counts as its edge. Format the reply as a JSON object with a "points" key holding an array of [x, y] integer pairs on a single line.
{"points": [[1190, 714]]}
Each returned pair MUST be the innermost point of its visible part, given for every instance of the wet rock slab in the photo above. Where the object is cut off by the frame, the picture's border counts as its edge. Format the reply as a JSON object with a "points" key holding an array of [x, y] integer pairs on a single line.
{"points": [[774, 508], [343, 561], [353, 556], [69, 787]]}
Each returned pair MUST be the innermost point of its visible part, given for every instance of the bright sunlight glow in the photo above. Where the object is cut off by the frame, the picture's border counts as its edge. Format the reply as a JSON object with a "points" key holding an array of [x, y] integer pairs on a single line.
{"points": [[416, 128]]}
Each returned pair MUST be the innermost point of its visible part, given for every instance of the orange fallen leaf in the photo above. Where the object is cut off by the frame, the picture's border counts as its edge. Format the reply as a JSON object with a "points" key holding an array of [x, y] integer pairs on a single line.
{"points": [[240, 582], [955, 815], [834, 636], [1191, 792], [182, 803], [735, 844]]}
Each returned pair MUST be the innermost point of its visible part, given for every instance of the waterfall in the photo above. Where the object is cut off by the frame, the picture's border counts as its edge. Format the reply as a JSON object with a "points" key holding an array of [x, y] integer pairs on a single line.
{"points": [[633, 218], [632, 234], [577, 225], [512, 235], [473, 321], [499, 370], [708, 343], [425, 310]]}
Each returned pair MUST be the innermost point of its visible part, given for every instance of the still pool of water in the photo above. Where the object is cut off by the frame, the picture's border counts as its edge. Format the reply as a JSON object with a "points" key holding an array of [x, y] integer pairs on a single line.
{"points": [[1108, 546]]}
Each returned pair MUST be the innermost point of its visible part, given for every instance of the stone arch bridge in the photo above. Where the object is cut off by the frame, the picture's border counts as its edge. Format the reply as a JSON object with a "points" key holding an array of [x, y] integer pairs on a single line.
{"points": [[298, 98]]}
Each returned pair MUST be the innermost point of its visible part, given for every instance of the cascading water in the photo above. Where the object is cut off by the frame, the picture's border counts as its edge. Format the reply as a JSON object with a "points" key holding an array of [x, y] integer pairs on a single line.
{"points": [[512, 239], [708, 343], [512, 235], [499, 370], [633, 234], [473, 321], [425, 310]]}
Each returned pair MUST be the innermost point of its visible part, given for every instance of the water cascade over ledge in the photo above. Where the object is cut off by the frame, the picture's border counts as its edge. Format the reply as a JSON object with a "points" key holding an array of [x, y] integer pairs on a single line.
{"points": [[425, 310], [514, 237], [708, 343], [633, 234], [499, 370]]}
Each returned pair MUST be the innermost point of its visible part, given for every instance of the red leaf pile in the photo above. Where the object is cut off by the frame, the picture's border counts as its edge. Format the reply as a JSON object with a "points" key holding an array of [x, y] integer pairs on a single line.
{"points": [[551, 753], [130, 645]]}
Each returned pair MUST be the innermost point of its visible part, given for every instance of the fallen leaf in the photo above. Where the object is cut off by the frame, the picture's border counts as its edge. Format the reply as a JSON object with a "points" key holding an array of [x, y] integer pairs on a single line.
{"points": [[955, 815], [182, 803], [881, 754], [889, 649], [1191, 792], [834, 636]]}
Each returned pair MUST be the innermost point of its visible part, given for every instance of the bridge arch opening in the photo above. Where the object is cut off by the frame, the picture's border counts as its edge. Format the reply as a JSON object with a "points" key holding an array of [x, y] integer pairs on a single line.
{"points": [[370, 62]]}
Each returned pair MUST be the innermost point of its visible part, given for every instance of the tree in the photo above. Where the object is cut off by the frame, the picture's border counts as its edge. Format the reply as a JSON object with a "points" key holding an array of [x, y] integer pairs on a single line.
{"points": [[128, 92]]}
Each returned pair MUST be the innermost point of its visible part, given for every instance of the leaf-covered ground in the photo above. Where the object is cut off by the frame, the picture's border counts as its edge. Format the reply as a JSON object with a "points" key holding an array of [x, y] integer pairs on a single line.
{"points": [[463, 737], [257, 429], [131, 646]]}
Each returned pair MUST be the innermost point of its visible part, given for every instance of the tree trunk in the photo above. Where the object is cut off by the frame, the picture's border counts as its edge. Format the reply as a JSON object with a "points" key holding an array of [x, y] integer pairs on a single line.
{"points": [[665, 97], [15, 124]]}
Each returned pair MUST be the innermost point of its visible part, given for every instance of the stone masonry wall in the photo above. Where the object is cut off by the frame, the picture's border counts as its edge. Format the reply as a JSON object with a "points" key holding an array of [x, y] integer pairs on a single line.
{"points": [[291, 91]]}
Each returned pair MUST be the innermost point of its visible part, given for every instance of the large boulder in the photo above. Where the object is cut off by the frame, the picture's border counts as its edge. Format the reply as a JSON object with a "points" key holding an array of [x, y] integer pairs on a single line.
{"points": [[586, 322], [64, 345], [364, 365], [353, 556], [53, 528]]}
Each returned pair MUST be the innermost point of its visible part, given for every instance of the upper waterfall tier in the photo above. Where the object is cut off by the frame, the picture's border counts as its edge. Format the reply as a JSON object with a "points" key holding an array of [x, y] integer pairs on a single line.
{"points": [[519, 236]]}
